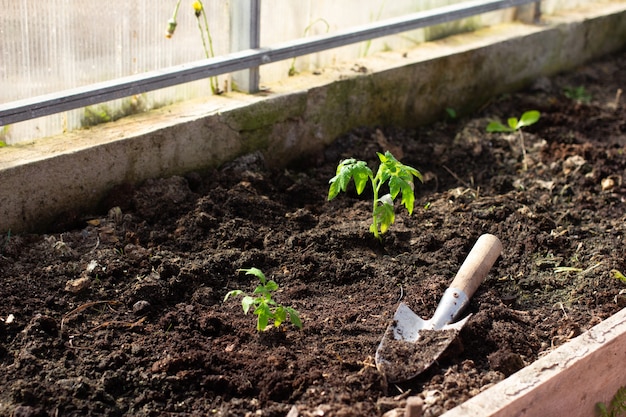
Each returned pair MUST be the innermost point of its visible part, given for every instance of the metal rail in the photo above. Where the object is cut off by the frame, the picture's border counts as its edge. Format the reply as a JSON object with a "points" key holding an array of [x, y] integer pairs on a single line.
{"points": [[48, 104]]}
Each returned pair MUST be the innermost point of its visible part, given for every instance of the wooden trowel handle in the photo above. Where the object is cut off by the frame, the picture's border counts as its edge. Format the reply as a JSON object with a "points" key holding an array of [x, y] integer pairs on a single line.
{"points": [[477, 264]]}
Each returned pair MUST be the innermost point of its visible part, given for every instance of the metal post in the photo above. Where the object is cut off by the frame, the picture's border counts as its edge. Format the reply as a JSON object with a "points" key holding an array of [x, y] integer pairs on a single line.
{"points": [[246, 34], [537, 17]]}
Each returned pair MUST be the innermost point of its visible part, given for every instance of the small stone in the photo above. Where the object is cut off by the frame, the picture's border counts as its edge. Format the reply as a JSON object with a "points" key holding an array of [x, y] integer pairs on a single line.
{"points": [[293, 412], [607, 184], [414, 406], [77, 285], [141, 307]]}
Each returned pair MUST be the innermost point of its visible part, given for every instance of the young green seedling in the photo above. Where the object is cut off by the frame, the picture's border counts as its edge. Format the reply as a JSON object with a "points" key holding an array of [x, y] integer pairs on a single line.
{"points": [[265, 307], [514, 125], [618, 275], [398, 176], [578, 94]]}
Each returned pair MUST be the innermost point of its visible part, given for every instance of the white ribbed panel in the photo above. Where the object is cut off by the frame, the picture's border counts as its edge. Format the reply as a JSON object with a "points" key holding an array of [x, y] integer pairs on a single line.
{"points": [[51, 45]]}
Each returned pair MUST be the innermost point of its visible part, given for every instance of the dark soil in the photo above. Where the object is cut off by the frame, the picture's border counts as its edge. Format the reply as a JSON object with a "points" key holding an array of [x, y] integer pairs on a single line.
{"points": [[123, 313]]}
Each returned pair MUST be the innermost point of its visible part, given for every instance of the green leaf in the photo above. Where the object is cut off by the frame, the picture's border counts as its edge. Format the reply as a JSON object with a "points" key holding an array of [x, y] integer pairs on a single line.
{"points": [[513, 123], [414, 172], [280, 315], [247, 302], [262, 308], [294, 317], [232, 293], [271, 285], [494, 127], [347, 170], [256, 272], [361, 177], [334, 189], [395, 184], [389, 166], [263, 313], [408, 197], [385, 157], [528, 118], [261, 322], [260, 289], [384, 213]]}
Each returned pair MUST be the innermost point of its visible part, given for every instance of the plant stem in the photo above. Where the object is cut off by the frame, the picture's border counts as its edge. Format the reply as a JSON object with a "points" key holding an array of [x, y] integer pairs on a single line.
{"points": [[524, 163], [208, 52], [172, 23], [375, 186], [175, 15]]}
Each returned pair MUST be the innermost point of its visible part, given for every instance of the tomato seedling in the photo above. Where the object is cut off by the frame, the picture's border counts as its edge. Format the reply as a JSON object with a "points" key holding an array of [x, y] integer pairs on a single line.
{"points": [[265, 308], [515, 125], [398, 176]]}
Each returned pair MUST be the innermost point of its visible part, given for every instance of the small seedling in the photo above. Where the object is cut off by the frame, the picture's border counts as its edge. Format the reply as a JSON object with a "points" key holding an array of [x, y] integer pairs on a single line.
{"points": [[514, 125], [398, 176], [292, 68], [265, 307], [578, 94], [618, 275], [617, 406]]}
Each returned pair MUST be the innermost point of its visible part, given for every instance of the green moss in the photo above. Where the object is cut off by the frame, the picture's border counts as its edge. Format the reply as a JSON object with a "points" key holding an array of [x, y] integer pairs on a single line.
{"points": [[4, 135], [265, 114], [102, 113], [443, 30], [95, 115]]}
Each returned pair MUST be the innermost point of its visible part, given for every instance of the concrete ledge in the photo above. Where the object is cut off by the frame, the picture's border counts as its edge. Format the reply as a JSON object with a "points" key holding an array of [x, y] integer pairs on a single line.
{"points": [[299, 116]]}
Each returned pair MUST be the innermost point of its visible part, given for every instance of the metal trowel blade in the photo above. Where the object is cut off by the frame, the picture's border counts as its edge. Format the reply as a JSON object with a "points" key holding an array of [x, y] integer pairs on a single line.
{"points": [[410, 345]]}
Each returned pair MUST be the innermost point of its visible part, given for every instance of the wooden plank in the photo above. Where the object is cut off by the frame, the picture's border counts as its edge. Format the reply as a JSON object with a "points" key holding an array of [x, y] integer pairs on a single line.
{"points": [[569, 381]]}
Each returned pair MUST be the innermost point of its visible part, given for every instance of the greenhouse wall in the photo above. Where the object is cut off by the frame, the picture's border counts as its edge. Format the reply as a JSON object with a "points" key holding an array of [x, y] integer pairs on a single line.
{"points": [[56, 45]]}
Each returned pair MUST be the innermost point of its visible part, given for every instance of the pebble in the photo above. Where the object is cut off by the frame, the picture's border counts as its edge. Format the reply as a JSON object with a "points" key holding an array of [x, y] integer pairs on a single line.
{"points": [[141, 307], [414, 406]]}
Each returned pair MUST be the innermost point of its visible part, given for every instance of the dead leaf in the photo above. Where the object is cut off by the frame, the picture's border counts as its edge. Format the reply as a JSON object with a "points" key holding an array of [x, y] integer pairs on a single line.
{"points": [[386, 146], [77, 285]]}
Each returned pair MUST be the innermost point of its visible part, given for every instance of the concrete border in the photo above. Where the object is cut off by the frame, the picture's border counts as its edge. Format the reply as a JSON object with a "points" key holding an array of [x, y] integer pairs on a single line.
{"points": [[72, 172]]}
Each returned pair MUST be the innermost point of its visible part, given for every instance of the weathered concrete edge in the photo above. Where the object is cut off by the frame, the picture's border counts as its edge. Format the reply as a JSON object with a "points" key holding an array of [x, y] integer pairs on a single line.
{"points": [[73, 172], [568, 381]]}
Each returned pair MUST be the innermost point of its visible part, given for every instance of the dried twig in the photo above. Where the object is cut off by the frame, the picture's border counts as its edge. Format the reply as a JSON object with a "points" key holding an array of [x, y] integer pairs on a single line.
{"points": [[84, 307], [120, 323]]}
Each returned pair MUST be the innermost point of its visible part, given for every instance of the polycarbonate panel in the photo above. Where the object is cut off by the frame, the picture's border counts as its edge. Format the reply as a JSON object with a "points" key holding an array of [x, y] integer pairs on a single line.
{"points": [[52, 45], [298, 19]]}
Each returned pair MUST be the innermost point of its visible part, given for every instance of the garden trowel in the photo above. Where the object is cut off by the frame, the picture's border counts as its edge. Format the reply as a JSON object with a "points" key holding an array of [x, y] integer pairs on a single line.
{"points": [[410, 345]]}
